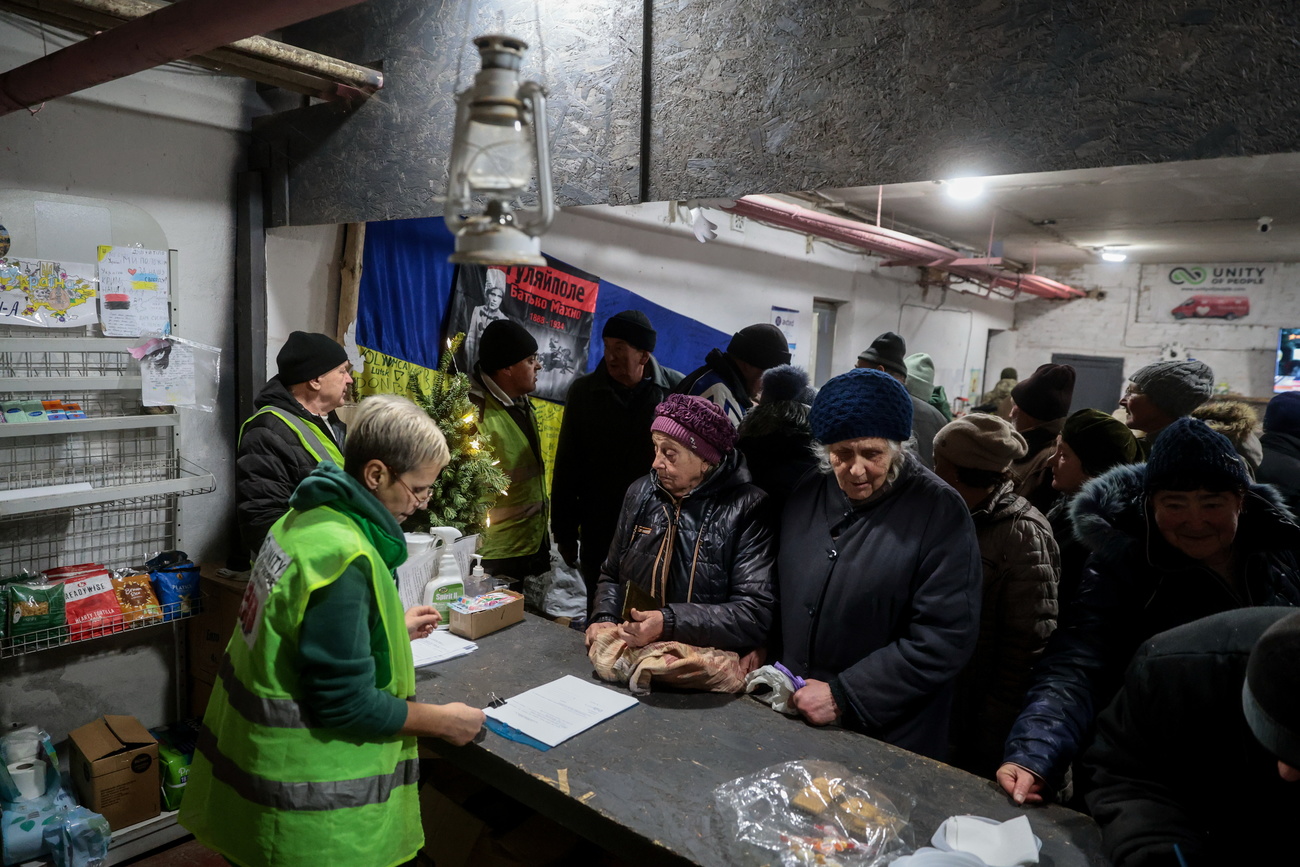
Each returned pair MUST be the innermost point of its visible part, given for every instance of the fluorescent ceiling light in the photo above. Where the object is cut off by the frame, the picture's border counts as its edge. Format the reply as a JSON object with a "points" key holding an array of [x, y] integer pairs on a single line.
{"points": [[1113, 254], [965, 189]]}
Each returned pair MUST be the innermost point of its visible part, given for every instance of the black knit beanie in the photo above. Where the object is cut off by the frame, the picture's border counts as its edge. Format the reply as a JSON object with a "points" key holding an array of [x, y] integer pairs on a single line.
{"points": [[1270, 696], [504, 342], [307, 355], [633, 327], [1046, 393], [1189, 456], [762, 345], [889, 350]]}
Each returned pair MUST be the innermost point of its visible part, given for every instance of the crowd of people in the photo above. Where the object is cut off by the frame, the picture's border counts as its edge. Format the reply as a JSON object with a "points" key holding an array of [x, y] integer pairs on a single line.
{"points": [[1063, 602]]}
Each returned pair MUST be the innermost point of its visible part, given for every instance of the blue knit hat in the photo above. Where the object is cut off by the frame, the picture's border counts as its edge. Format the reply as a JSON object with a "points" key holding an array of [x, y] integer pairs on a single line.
{"points": [[1283, 414], [861, 403], [1189, 455]]}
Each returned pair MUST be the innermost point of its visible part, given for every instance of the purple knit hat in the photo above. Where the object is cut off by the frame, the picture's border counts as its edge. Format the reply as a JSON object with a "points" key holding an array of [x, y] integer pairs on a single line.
{"points": [[696, 423]]}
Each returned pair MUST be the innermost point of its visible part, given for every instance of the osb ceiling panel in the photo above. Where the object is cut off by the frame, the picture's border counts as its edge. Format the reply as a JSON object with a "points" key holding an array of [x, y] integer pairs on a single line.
{"points": [[387, 159], [770, 95]]}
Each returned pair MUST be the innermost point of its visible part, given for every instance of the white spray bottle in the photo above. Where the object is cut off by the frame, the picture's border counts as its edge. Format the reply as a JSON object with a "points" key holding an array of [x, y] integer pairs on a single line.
{"points": [[447, 584]]}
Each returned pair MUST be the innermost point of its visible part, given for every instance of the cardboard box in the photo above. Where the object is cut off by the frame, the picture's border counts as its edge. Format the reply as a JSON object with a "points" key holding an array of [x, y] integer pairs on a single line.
{"points": [[115, 769], [222, 591], [480, 623]]}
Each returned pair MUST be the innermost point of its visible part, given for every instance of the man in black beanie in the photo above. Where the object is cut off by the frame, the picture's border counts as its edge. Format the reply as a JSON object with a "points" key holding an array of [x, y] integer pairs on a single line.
{"points": [[731, 379], [515, 544], [295, 428], [1040, 404], [888, 352], [605, 442], [1196, 760]]}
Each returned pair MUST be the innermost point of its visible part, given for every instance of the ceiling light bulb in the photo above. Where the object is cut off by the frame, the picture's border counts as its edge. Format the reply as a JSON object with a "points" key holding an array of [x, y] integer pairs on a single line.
{"points": [[965, 189], [1113, 254]]}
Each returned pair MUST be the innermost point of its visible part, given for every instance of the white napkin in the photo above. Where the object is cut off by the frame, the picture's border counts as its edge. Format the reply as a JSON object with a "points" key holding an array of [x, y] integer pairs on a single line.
{"points": [[1009, 844]]}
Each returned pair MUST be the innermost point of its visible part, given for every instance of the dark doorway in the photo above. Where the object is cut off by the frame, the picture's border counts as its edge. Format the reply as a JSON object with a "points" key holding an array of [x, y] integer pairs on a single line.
{"points": [[1098, 381]]}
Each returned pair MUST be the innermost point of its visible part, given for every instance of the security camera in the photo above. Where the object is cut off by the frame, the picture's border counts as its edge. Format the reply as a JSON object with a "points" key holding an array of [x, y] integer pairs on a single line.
{"points": [[1265, 223]]}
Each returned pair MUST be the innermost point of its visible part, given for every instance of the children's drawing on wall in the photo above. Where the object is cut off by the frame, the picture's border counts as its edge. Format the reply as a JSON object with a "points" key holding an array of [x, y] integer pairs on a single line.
{"points": [[134, 286], [46, 294], [178, 372]]}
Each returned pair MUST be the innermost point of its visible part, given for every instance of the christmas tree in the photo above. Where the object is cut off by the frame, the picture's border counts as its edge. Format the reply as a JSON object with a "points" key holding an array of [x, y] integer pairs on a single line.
{"points": [[471, 482]]}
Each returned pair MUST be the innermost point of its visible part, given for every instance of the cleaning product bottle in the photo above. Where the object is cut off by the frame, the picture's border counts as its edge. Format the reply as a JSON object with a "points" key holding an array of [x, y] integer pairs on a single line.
{"points": [[447, 584], [477, 583]]}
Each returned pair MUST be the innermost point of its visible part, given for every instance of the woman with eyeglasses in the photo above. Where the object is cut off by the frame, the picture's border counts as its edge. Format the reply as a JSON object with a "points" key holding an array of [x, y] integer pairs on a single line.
{"points": [[307, 752]]}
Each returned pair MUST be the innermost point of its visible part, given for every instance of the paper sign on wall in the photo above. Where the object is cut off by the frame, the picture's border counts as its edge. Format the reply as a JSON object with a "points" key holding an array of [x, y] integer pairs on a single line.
{"points": [[46, 294], [134, 288], [788, 321]]}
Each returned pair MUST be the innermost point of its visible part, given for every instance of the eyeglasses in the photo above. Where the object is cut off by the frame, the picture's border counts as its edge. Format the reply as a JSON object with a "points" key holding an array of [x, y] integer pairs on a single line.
{"points": [[420, 499]]}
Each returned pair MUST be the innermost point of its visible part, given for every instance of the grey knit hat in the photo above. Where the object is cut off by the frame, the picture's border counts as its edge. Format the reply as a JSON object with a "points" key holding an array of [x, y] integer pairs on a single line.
{"points": [[1176, 387]]}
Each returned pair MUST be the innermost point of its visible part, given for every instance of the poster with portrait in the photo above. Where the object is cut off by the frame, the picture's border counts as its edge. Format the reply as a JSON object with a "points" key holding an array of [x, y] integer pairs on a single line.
{"points": [[556, 304]]}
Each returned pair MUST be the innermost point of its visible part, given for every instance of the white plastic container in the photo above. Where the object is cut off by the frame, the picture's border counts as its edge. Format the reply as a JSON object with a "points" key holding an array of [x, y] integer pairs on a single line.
{"points": [[447, 584]]}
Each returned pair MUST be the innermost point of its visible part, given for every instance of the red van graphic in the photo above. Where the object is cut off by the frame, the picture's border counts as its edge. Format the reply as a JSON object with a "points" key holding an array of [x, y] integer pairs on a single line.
{"points": [[1227, 307]]}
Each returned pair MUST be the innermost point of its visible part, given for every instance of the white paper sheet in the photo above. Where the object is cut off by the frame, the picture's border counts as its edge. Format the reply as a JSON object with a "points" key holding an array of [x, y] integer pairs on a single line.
{"points": [[439, 647], [556, 711]]}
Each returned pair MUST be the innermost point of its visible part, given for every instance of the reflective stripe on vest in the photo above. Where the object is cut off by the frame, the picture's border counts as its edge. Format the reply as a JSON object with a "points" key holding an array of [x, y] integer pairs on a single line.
{"points": [[313, 439], [282, 713], [517, 520], [314, 796]]}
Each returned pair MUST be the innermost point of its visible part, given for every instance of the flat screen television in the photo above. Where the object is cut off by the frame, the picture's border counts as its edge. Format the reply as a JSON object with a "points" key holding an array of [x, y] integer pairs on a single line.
{"points": [[1287, 375]]}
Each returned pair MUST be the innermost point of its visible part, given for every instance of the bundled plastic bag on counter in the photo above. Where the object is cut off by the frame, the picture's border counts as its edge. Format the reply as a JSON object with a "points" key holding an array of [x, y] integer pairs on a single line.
{"points": [[176, 581], [36, 615], [815, 812]]}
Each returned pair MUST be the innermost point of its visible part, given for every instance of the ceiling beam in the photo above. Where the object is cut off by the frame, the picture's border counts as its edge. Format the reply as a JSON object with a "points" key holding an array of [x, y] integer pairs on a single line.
{"points": [[174, 32]]}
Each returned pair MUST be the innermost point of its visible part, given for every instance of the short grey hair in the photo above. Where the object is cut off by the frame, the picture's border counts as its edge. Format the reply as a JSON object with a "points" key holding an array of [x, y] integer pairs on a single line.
{"points": [[394, 431], [823, 453]]}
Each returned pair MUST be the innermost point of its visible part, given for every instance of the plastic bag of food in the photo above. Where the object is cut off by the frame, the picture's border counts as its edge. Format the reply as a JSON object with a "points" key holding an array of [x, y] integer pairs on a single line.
{"points": [[815, 812], [177, 587], [36, 614], [135, 595], [92, 608]]}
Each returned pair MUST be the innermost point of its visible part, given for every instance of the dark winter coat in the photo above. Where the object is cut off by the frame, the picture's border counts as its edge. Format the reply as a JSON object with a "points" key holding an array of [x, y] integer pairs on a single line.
{"points": [[882, 601], [1175, 762], [715, 546], [778, 445], [1033, 471], [720, 381], [1073, 553], [1135, 585], [1281, 466], [926, 422], [271, 461], [1017, 616], [604, 446]]}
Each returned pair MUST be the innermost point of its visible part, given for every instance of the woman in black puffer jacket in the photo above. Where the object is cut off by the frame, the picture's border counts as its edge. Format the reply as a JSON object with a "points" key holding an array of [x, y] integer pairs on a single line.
{"points": [[696, 536], [1179, 538]]}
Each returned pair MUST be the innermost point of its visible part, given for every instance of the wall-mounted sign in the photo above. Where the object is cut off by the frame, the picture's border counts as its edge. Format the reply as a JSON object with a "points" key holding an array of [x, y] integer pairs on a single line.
{"points": [[1234, 293]]}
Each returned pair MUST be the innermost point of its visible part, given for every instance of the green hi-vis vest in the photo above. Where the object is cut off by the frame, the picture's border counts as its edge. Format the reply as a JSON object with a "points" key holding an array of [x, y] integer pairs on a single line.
{"points": [[518, 520], [317, 444], [268, 787]]}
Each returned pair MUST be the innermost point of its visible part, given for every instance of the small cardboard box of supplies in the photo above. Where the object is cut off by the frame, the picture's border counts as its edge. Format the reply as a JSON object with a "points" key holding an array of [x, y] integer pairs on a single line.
{"points": [[476, 616], [115, 769]]}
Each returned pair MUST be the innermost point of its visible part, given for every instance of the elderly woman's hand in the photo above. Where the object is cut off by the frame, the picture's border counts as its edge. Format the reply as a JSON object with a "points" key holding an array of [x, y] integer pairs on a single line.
{"points": [[421, 620], [1022, 784], [596, 628], [644, 628], [816, 703]]}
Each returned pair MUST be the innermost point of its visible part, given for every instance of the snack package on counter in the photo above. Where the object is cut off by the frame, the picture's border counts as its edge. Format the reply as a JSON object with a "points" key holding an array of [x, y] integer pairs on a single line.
{"points": [[175, 753], [79, 839], [176, 582], [815, 812], [136, 597], [36, 613], [92, 609]]}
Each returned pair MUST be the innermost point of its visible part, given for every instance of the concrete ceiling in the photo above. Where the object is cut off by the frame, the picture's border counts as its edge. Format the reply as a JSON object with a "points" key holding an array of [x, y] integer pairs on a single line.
{"points": [[1202, 211]]}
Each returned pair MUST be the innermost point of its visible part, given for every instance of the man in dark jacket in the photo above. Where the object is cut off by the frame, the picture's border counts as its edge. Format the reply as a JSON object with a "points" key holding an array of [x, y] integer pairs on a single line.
{"points": [[888, 352], [1196, 760], [695, 536], [1040, 403], [605, 442], [879, 574], [295, 428], [1184, 536], [731, 379], [1281, 442]]}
